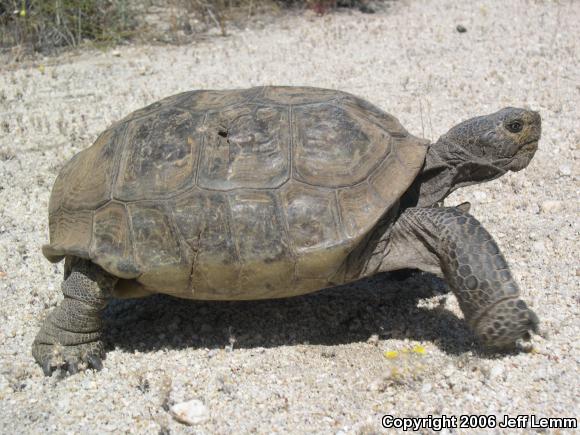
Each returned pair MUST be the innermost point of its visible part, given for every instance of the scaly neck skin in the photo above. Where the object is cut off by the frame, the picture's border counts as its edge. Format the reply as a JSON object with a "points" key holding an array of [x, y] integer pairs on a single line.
{"points": [[448, 166]]}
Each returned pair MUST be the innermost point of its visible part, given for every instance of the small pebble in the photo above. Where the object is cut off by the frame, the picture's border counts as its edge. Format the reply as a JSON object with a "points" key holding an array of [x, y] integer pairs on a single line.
{"points": [[565, 170], [461, 28], [191, 412], [426, 388]]}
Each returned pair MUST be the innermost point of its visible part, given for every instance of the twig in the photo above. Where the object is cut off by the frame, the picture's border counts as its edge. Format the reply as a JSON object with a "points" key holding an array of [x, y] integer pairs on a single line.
{"points": [[79, 26]]}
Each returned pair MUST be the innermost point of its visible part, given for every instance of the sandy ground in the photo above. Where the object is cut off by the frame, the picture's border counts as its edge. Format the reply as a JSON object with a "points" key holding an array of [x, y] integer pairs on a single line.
{"points": [[314, 363]]}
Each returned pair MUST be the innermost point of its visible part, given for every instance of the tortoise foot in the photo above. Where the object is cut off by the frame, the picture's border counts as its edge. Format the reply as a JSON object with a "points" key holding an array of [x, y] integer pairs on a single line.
{"points": [[68, 359], [505, 323]]}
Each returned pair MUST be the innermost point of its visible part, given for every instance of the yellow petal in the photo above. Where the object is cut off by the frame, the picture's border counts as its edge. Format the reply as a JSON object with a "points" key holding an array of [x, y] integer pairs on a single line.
{"points": [[419, 349], [391, 354]]}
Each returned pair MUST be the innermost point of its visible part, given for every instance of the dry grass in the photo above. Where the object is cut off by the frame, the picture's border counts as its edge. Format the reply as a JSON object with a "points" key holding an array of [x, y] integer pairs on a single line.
{"points": [[43, 25], [46, 25]]}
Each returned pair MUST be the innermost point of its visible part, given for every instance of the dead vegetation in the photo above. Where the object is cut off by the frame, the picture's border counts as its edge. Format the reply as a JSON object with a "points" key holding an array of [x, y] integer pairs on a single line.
{"points": [[48, 25], [43, 25]]}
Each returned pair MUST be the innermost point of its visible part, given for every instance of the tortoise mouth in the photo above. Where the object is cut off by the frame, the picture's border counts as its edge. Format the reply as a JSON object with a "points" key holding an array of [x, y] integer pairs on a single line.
{"points": [[524, 156], [520, 160], [528, 147]]}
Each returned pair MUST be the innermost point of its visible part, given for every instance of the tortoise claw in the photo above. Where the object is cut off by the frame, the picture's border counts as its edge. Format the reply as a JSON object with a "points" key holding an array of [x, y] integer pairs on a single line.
{"points": [[95, 362], [534, 322], [72, 367], [47, 368]]}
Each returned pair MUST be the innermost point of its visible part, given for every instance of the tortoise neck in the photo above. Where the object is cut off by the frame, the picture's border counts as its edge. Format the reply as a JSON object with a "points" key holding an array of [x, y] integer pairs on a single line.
{"points": [[448, 166], [435, 181]]}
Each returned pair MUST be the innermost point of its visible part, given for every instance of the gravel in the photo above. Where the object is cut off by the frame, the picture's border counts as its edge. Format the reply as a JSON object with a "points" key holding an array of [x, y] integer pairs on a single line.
{"points": [[316, 363]]}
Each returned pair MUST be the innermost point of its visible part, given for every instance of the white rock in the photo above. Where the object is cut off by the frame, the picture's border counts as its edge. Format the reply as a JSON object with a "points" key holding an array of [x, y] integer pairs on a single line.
{"points": [[191, 412], [565, 170], [426, 388], [550, 206]]}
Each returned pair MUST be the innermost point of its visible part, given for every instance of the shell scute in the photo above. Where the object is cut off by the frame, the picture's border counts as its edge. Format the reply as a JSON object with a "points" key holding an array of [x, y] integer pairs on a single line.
{"points": [[336, 147], [262, 240], [74, 190], [160, 155], [111, 245], [202, 217], [245, 147]]}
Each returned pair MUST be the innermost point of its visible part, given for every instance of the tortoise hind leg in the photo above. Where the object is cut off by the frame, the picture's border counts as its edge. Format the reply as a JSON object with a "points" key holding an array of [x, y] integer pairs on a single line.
{"points": [[475, 270], [71, 334]]}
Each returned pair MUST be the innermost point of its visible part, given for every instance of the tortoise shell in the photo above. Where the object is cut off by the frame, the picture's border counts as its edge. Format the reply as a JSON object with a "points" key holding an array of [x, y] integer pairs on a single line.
{"points": [[239, 194]]}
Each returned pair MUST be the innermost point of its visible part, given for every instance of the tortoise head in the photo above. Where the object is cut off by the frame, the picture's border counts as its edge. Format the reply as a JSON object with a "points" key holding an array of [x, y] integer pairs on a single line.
{"points": [[506, 140], [477, 150]]}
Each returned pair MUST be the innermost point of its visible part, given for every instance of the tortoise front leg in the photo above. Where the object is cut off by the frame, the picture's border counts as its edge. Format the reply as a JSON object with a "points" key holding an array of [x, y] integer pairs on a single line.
{"points": [[71, 334], [476, 271], [406, 273]]}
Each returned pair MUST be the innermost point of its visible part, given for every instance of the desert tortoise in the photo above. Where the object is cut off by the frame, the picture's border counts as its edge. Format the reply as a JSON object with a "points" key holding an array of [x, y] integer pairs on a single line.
{"points": [[273, 192]]}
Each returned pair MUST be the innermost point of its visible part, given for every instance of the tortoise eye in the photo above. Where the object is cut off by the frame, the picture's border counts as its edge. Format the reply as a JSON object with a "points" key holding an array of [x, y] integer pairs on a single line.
{"points": [[515, 126]]}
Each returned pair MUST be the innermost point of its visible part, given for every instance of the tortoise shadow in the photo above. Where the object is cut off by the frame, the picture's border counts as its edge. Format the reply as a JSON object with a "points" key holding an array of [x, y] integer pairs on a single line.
{"points": [[340, 315]]}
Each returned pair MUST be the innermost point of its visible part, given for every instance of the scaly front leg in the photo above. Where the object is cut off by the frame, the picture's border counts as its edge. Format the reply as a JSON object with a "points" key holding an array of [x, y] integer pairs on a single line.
{"points": [[476, 271], [71, 334]]}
